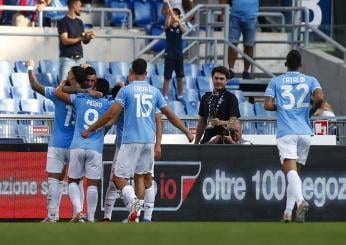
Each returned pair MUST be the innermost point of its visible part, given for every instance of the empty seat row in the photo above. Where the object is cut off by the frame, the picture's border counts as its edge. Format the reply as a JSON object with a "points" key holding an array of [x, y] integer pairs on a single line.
{"points": [[30, 106]]}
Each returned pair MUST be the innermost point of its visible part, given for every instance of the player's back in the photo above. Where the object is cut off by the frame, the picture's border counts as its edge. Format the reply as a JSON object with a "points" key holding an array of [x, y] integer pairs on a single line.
{"points": [[88, 110], [140, 101], [64, 120], [292, 92]]}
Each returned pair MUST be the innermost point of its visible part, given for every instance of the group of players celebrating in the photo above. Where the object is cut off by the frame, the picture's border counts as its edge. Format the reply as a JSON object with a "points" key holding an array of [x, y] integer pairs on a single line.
{"points": [[82, 114]]}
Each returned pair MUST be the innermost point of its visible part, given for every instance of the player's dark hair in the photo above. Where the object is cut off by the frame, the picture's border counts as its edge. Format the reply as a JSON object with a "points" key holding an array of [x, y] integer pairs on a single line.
{"points": [[293, 60], [90, 71], [176, 11], [79, 74], [71, 2], [139, 66], [222, 70], [115, 91], [102, 85]]}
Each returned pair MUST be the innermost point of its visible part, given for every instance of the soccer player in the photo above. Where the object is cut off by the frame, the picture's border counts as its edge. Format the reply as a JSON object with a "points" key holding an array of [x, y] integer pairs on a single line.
{"points": [[86, 154], [59, 143], [150, 192], [136, 155], [289, 95]]}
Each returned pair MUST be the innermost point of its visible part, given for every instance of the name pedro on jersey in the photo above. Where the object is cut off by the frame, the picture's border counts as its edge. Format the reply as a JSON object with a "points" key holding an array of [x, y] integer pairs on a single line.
{"points": [[94, 103]]}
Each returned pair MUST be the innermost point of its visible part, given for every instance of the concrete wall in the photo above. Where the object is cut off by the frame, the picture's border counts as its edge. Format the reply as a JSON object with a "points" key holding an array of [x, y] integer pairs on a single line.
{"points": [[331, 73], [14, 48]]}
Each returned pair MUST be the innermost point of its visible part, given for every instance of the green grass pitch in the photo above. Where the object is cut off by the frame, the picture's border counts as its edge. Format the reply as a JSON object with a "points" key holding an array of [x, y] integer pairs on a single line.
{"points": [[166, 233]]}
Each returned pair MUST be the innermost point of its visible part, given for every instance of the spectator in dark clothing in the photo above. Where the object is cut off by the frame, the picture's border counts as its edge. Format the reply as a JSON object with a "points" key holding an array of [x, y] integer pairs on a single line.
{"points": [[174, 60], [72, 34], [217, 107]]}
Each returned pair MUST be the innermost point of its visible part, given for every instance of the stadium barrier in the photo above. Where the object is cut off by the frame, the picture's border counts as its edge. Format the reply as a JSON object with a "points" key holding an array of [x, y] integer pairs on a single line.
{"points": [[194, 183]]}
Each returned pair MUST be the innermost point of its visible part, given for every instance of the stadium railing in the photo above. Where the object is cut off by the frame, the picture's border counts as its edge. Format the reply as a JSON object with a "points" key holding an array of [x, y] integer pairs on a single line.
{"points": [[38, 128]]}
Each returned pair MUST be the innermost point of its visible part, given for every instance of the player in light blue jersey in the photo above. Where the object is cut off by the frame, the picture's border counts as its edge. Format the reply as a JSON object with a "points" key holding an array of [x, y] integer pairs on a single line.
{"points": [[150, 191], [136, 155], [62, 132], [86, 154], [289, 95]]}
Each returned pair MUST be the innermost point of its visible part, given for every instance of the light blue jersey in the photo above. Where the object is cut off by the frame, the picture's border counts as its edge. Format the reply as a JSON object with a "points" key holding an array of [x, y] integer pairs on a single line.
{"points": [[140, 101], [64, 120], [88, 110], [292, 92], [245, 8], [119, 132]]}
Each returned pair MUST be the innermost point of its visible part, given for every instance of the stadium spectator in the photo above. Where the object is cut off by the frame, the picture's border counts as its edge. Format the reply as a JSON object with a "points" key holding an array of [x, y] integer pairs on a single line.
{"points": [[139, 101], [242, 20], [112, 193], [51, 16], [289, 95], [86, 154], [58, 148], [323, 109], [72, 34], [24, 18], [232, 134], [217, 107], [174, 59]]}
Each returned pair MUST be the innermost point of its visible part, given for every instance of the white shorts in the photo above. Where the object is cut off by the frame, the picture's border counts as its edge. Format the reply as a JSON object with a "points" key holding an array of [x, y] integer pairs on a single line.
{"points": [[134, 158], [57, 158], [294, 147], [85, 162]]}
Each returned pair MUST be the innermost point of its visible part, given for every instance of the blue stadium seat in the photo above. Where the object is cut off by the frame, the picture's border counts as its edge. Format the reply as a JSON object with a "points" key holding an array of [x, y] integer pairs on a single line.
{"points": [[5, 68], [39, 96], [232, 84], [177, 107], [4, 80], [191, 70], [159, 18], [8, 106], [32, 106], [113, 79], [5, 92], [150, 69], [46, 79], [160, 67], [157, 81], [118, 19], [22, 93], [20, 66], [192, 108], [119, 68], [157, 30], [101, 67], [239, 94], [204, 84], [190, 95], [207, 68], [190, 82], [50, 66], [48, 106], [20, 80], [143, 12]]}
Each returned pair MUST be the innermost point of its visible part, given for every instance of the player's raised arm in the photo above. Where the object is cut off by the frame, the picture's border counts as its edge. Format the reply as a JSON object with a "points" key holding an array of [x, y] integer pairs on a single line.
{"points": [[60, 94], [35, 85], [159, 131], [177, 122], [112, 114]]}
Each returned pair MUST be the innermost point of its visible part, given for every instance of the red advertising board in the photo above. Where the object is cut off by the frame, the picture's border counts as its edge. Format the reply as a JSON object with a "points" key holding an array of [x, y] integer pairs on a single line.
{"points": [[23, 186]]}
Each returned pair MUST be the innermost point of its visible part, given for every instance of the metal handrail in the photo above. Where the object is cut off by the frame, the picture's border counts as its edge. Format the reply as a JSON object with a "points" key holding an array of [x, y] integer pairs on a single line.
{"points": [[64, 9]]}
